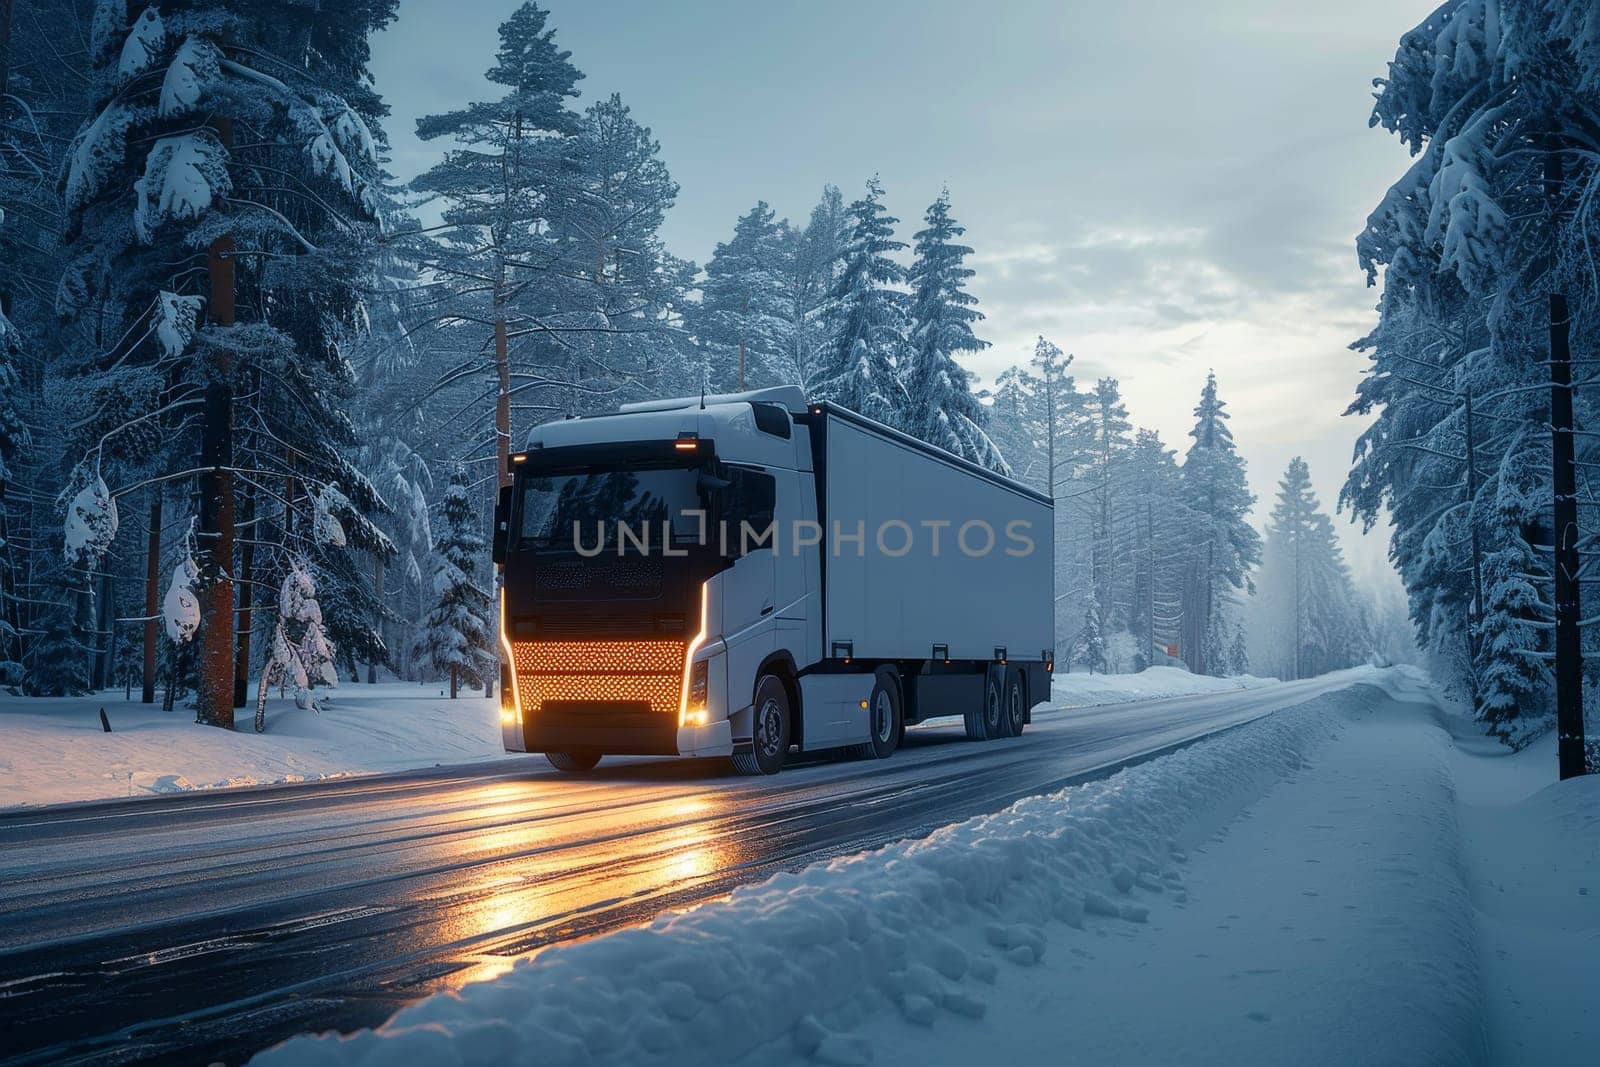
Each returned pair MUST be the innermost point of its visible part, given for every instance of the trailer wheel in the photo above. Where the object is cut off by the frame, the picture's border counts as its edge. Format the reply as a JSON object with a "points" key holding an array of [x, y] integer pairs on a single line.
{"points": [[972, 719], [994, 704], [1016, 702], [769, 729], [885, 719], [573, 762]]}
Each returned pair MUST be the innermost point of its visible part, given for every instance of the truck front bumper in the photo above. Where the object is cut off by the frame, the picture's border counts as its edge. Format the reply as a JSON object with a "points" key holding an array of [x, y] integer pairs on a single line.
{"points": [[615, 733], [712, 739]]}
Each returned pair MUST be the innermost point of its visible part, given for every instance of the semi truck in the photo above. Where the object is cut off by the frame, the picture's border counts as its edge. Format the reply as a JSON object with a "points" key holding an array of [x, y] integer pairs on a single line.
{"points": [[751, 575]]}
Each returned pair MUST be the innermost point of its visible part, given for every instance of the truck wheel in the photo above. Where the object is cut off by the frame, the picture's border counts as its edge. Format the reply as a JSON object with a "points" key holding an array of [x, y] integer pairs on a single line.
{"points": [[884, 718], [769, 729], [994, 704], [573, 762], [1016, 702], [972, 719]]}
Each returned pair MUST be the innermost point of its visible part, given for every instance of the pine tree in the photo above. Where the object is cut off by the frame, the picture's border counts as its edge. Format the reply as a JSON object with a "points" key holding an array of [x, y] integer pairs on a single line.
{"points": [[1159, 519], [620, 292], [1090, 647], [1311, 618], [1469, 245], [1224, 545], [942, 409], [221, 273], [1238, 653], [497, 190], [1109, 529], [814, 265], [1515, 676], [455, 637], [745, 320], [867, 318], [1014, 402]]}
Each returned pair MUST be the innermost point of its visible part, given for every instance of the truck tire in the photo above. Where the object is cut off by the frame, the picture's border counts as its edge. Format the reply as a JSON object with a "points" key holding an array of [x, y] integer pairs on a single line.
{"points": [[994, 703], [972, 719], [1016, 702], [885, 719], [770, 729], [573, 762]]}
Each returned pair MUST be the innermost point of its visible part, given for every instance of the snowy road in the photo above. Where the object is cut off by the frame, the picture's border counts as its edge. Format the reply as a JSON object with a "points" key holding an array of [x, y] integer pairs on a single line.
{"points": [[205, 927]]}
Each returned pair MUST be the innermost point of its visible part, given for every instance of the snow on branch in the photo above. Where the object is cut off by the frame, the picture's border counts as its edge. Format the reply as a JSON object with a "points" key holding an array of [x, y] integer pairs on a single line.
{"points": [[195, 65], [183, 175], [176, 321], [91, 523], [143, 46]]}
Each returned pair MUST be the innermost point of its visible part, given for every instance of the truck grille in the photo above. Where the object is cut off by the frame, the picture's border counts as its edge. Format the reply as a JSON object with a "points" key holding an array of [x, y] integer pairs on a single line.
{"points": [[635, 575], [592, 672]]}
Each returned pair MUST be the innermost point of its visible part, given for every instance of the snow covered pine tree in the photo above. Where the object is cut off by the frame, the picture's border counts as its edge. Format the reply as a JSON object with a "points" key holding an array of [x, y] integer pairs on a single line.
{"points": [[455, 637], [163, 201], [1310, 618], [1492, 224], [941, 408], [867, 319], [1223, 545], [744, 321]]}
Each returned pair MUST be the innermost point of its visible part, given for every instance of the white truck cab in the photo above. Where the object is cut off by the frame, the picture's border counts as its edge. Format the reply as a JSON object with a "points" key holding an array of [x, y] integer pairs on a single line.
{"points": [[747, 575]]}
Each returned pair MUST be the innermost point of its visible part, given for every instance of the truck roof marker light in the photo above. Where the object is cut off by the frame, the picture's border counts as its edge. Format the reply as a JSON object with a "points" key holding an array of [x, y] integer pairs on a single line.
{"points": [[505, 646], [688, 659]]}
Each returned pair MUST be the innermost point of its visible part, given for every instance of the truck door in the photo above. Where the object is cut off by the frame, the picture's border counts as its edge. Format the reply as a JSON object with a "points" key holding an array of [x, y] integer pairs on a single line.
{"points": [[795, 578], [749, 595]]}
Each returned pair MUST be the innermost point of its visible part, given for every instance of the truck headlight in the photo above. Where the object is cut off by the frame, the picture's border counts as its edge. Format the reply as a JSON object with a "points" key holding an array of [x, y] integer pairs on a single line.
{"points": [[694, 712]]}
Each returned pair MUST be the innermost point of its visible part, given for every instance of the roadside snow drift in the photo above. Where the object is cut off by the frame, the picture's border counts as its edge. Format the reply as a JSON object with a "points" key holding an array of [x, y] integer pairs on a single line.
{"points": [[844, 960], [55, 750], [1082, 689]]}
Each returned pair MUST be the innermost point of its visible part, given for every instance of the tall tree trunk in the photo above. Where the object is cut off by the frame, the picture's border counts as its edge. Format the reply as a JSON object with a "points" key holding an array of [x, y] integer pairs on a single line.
{"points": [[1564, 489], [377, 591], [214, 537], [152, 593], [247, 598], [1475, 616], [502, 401], [103, 632], [452, 681]]}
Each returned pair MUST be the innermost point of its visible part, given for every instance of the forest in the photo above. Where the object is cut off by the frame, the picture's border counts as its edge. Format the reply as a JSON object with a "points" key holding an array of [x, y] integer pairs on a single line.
{"points": [[257, 392]]}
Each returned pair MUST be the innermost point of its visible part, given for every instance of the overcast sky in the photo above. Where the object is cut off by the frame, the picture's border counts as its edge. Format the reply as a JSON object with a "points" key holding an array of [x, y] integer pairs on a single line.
{"points": [[1160, 188]]}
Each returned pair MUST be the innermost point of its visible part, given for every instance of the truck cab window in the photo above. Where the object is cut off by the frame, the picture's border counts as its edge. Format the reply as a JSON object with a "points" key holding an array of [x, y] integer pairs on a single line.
{"points": [[751, 498], [604, 500]]}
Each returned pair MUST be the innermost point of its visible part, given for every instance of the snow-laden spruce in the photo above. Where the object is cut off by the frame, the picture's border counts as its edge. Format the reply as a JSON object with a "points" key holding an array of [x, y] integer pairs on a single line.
{"points": [[745, 322], [1223, 546], [1469, 242], [455, 638], [221, 214], [1307, 618], [866, 316], [940, 406]]}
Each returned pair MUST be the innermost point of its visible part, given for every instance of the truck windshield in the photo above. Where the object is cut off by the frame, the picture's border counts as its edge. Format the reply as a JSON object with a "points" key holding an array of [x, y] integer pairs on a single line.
{"points": [[556, 508]]}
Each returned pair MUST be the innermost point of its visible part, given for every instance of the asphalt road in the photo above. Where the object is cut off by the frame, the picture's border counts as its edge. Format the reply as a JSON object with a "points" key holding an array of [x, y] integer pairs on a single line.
{"points": [[206, 927]]}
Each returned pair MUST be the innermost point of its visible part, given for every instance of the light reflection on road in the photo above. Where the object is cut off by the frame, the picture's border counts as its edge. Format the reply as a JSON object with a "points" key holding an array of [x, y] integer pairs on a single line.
{"points": [[537, 875]]}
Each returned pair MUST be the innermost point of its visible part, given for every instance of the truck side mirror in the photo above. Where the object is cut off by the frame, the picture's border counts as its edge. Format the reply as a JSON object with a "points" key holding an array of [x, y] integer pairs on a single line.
{"points": [[502, 523]]}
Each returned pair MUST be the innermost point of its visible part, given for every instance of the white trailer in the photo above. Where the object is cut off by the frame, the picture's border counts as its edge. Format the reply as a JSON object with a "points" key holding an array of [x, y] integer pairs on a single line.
{"points": [[749, 575]]}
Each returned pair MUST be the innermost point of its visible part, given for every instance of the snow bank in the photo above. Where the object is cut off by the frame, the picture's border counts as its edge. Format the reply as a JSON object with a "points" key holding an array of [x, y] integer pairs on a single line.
{"points": [[1082, 689], [921, 930], [55, 750]]}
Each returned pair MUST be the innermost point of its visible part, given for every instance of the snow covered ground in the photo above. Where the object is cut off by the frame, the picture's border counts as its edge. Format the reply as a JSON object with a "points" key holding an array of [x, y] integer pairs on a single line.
{"points": [[1081, 689], [1356, 879], [54, 750]]}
